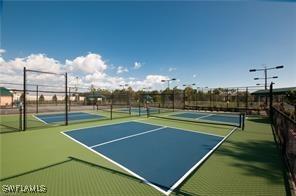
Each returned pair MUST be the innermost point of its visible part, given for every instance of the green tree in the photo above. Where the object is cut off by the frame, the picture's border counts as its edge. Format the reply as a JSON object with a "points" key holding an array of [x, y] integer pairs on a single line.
{"points": [[41, 98]]}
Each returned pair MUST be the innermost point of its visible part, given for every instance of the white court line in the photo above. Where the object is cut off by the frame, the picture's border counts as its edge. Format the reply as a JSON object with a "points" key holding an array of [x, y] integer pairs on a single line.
{"points": [[198, 163], [204, 116], [140, 177], [39, 119], [103, 125], [134, 135], [117, 164], [70, 114]]}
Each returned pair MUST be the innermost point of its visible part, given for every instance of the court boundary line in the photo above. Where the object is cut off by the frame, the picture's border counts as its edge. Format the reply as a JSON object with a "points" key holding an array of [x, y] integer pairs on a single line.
{"points": [[130, 136], [181, 129], [176, 184], [34, 115], [198, 163], [117, 164], [39, 119], [204, 116], [93, 126]]}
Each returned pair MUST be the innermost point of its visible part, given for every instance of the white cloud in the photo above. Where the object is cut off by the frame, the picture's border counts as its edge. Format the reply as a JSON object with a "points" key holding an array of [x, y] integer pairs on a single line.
{"points": [[171, 69], [194, 76], [137, 65], [12, 70], [121, 69], [90, 63], [90, 69]]}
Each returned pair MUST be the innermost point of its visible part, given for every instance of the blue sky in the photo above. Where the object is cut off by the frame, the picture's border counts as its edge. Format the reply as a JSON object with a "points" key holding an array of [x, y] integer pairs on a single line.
{"points": [[216, 41]]}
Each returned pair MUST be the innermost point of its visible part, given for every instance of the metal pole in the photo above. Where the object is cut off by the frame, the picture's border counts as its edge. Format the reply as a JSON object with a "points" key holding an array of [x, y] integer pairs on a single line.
{"points": [[173, 100], [111, 106], [227, 98], [20, 119], [196, 99], [24, 101], [265, 85], [247, 101], [270, 101], [69, 98], [37, 101], [237, 98], [66, 99], [265, 78], [184, 97]]}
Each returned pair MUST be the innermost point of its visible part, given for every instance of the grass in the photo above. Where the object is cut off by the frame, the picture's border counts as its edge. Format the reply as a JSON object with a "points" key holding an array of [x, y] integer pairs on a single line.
{"points": [[247, 163]]}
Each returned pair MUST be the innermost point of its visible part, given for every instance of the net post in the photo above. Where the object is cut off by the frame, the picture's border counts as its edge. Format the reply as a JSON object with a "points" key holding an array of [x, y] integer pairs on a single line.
{"points": [[159, 108], [243, 121], [147, 111], [66, 98], [24, 100]]}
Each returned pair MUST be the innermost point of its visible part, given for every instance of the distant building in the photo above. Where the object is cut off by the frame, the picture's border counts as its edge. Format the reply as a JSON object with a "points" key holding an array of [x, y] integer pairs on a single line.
{"points": [[6, 97]]}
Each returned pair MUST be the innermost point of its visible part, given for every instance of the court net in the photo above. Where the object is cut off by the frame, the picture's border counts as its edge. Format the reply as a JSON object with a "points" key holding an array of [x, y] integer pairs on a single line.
{"points": [[221, 118]]}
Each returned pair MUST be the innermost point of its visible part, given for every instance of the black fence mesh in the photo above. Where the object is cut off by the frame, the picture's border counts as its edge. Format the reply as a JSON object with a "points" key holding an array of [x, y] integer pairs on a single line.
{"points": [[285, 132], [11, 108]]}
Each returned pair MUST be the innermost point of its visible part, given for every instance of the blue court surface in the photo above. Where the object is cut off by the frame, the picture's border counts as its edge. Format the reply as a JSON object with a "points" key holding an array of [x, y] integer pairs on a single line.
{"points": [[73, 116], [225, 118], [160, 156]]}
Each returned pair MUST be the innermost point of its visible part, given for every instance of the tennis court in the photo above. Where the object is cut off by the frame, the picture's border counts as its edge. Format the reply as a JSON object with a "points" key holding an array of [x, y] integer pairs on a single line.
{"points": [[160, 156], [60, 117]]}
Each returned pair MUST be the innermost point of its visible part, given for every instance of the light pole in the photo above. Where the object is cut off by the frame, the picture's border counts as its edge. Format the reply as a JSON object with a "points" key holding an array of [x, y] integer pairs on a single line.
{"points": [[265, 69], [184, 94], [168, 81]]}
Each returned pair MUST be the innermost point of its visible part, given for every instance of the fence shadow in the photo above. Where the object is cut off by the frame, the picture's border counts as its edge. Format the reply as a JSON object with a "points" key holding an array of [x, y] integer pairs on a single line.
{"points": [[261, 159]]}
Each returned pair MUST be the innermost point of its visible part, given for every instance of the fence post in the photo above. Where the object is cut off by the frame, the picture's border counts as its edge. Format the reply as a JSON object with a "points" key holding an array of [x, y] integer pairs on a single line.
{"points": [[24, 101], [37, 101], [247, 102], [66, 99], [271, 101]]}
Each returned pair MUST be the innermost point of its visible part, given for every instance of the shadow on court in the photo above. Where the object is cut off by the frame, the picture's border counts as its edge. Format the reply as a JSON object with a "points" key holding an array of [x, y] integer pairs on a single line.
{"points": [[51, 174], [253, 158]]}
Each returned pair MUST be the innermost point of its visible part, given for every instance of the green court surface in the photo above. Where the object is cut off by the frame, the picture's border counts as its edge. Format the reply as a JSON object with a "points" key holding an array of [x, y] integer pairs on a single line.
{"points": [[247, 163]]}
